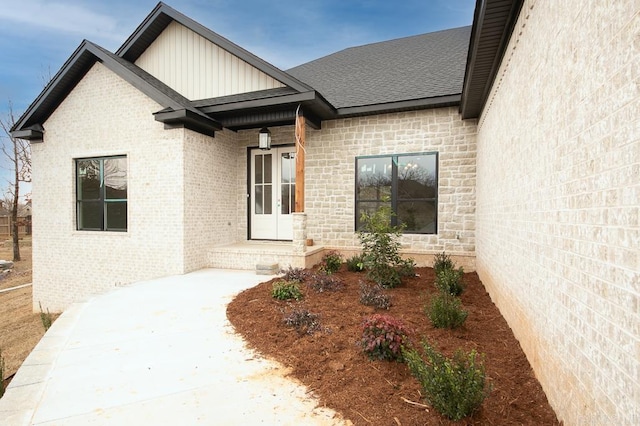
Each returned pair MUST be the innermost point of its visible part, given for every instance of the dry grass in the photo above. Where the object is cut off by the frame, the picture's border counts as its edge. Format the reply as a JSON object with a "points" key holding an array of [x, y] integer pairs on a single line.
{"points": [[20, 327]]}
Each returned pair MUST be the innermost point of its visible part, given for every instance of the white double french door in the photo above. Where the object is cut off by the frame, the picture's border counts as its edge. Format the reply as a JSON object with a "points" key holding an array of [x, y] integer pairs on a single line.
{"points": [[272, 193]]}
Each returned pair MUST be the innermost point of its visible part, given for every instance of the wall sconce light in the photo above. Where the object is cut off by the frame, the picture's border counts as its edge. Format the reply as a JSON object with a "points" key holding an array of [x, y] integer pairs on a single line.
{"points": [[264, 141]]}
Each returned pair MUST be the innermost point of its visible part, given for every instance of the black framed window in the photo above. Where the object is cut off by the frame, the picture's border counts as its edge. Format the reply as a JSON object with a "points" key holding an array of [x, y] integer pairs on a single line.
{"points": [[408, 182], [101, 194]]}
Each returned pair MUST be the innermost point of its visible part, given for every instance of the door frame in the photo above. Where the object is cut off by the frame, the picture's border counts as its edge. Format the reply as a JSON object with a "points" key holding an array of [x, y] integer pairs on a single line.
{"points": [[249, 188]]}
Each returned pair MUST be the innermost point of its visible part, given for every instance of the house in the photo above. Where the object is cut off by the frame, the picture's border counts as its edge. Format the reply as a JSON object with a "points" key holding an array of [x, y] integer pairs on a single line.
{"points": [[512, 144]]}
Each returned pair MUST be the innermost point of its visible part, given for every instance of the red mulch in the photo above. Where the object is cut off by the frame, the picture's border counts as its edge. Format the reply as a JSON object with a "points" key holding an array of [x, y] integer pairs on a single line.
{"points": [[332, 365]]}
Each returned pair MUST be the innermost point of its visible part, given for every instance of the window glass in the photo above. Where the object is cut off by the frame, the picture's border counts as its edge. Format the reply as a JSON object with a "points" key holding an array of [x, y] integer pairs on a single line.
{"points": [[101, 188], [409, 182], [88, 180], [374, 178], [115, 178]]}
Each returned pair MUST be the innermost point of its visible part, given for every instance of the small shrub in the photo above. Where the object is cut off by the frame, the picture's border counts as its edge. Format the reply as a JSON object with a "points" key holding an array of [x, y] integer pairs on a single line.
{"points": [[407, 268], [372, 295], [295, 274], [321, 283], [286, 290], [455, 387], [442, 261], [445, 311], [383, 337], [303, 321], [384, 275], [331, 262], [1, 374], [355, 263], [450, 281], [45, 317]]}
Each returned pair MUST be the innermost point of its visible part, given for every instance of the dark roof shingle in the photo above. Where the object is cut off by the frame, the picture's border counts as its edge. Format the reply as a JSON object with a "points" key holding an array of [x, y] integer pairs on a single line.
{"points": [[418, 67]]}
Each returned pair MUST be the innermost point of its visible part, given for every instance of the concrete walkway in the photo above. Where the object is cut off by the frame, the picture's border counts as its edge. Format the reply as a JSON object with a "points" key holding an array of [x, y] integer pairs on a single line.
{"points": [[159, 352]]}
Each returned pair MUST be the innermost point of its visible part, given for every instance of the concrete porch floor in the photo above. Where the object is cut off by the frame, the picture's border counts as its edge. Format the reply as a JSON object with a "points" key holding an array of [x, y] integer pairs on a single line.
{"points": [[245, 255]]}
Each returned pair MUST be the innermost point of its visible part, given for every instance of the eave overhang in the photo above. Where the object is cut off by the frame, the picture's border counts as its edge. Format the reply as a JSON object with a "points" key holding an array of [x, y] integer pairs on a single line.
{"points": [[399, 106], [278, 110], [34, 133], [189, 119], [493, 23]]}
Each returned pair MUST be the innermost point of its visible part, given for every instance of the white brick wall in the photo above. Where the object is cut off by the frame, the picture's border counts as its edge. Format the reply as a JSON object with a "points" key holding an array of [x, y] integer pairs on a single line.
{"points": [[558, 203], [330, 176], [209, 198], [104, 115]]}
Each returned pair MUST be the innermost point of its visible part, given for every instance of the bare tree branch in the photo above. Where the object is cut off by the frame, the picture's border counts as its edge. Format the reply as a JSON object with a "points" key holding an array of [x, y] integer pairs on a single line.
{"points": [[18, 154]]}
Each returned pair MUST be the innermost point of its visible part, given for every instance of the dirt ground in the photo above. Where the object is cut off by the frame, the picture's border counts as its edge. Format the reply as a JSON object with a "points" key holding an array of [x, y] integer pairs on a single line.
{"points": [[368, 392], [20, 328]]}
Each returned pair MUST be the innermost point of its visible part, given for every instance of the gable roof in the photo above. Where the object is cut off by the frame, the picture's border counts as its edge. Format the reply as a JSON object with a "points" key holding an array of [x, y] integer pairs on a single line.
{"points": [[423, 70], [162, 15], [29, 126]]}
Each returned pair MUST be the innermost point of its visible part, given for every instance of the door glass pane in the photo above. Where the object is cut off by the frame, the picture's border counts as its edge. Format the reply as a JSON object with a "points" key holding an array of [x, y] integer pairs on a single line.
{"points": [[257, 167], [287, 182], [88, 173], [416, 177], [373, 178], [418, 216], [268, 199], [285, 206], [115, 178], [267, 169], [258, 203]]}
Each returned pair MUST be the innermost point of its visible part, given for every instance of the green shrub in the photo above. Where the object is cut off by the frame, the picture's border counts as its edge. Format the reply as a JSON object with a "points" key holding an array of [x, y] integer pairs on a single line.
{"points": [[441, 262], [407, 268], [380, 247], [295, 274], [372, 295], [445, 311], [383, 337], [384, 275], [45, 317], [355, 263], [455, 387], [286, 290], [331, 262], [450, 281], [321, 283], [303, 321]]}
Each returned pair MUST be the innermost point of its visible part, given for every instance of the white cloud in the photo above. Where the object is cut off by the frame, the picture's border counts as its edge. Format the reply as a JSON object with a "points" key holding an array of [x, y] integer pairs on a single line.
{"points": [[60, 17]]}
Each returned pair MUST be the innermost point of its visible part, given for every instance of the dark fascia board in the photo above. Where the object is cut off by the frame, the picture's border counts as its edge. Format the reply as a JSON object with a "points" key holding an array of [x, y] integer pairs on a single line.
{"points": [[189, 119], [157, 21], [479, 77], [307, 97], [65, 79], [412, 104], [72, 72], [33, 133]]}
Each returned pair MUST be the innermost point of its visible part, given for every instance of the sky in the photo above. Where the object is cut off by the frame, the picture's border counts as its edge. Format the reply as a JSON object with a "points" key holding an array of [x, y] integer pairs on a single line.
{"points": [[38, 36]]}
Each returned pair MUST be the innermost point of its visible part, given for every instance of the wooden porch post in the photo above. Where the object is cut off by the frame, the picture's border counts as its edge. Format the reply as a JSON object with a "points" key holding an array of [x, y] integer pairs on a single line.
{"points": [[300, 140]]}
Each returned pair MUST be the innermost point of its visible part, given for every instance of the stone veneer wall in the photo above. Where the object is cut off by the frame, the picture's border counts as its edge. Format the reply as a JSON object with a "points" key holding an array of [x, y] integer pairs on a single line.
{"points": [[330, 176], [97, 119], [558, 203]]}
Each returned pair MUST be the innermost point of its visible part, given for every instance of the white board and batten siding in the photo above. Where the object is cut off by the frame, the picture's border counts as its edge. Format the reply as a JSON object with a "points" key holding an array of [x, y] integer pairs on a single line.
{"points": [[199, 69]]}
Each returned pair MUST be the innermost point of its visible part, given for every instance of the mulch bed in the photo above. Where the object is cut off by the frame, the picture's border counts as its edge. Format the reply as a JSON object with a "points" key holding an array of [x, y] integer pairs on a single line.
{"points": [[333, 367]]}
